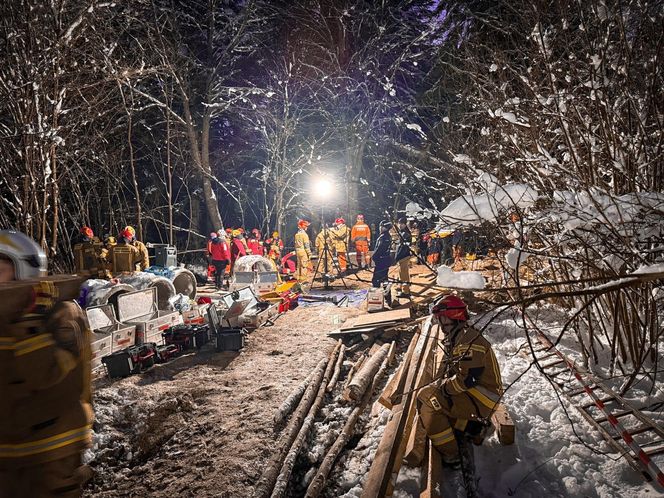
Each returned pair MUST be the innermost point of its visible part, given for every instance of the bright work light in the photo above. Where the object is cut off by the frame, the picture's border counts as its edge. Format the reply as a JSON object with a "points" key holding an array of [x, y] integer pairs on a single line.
{"points": [[323, 188]]}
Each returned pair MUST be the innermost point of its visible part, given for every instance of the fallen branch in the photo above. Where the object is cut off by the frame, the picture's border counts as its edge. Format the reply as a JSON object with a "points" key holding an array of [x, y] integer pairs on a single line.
{"points": [[290, 403], [318, 482], [337, 369], [287, 467]]}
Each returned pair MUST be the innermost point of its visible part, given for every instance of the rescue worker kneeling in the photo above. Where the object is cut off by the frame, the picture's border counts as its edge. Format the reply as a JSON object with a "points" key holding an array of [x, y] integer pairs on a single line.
{"points": [[466, 387], [46, 410]]}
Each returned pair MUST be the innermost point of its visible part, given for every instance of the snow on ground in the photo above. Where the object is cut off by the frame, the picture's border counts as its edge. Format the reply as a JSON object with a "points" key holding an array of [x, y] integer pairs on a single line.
{"points": [[547, 458], [459, 279]]}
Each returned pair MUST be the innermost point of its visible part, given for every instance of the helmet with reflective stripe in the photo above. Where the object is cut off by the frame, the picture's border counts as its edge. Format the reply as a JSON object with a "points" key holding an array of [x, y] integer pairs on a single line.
{"points": [[303, 224], [27, 256], [451, 307], [339, 221]]}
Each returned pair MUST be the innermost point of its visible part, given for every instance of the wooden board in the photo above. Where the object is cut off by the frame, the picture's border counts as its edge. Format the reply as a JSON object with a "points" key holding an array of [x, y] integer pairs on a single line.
{"points": [[416, 447], [504, 425], [382, 317], [432, 474]]}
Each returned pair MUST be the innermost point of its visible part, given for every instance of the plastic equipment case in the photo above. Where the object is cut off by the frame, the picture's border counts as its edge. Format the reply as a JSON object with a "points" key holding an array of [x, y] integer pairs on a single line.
{"points": [[130, 360], [139, 308], [227, 338]]}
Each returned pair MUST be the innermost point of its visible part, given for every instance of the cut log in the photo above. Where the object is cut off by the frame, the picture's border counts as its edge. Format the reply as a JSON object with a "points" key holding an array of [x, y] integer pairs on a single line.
{"points": [[272, 469], [289, 462], [290, 403], [366, 375], [337, 370], [415, 448], [318, 482], [355, 368], [504, 425]]}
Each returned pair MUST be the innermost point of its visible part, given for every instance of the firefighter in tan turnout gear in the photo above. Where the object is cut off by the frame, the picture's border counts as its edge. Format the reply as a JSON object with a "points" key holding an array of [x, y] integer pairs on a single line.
{"points": [[302, 250], [466, 385], [45, 412]]}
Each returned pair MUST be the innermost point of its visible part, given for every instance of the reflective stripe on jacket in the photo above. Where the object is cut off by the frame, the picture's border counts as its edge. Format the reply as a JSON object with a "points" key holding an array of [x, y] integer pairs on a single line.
{"points": [[45, 387]]}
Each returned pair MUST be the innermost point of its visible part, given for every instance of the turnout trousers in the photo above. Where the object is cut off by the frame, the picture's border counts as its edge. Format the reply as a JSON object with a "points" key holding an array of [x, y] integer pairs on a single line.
{"points": [[56, 479]]}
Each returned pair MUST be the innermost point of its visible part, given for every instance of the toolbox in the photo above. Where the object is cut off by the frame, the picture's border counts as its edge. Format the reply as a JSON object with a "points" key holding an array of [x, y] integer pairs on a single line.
{"points": [[227, 338], [140, 309], [102, 321], [258, 314], [165, 352], [196, 315], [129, 360], [186, 337]]}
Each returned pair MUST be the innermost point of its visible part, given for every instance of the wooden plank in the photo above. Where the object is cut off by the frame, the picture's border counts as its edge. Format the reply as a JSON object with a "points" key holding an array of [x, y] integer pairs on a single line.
{"points": [[378, 478], [504, 425], [416, 446], [432, 475], [382, 317]]}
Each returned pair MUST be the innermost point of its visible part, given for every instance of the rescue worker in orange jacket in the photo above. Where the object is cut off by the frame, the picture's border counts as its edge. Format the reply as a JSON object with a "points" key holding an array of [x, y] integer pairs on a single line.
{"points": [[339, 235], [360, 235], [46, 410], [466, 385], [302, 250]]}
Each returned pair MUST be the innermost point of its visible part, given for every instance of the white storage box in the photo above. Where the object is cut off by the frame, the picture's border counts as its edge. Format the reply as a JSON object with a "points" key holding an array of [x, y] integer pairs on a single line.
{"points": [[375, 300], [255, 317], [102, 321], [140, 309], [100, 346]]}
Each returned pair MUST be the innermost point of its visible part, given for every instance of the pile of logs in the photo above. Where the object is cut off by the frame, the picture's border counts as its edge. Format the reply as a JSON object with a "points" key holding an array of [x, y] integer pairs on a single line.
{"points": [[300, 409]]}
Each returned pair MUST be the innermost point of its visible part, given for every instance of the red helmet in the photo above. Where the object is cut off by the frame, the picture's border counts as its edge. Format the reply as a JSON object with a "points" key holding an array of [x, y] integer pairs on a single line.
{"points": [[229, 230], [87, 232], [450, 306], [339, 221], [126, 233], [303, 224]]}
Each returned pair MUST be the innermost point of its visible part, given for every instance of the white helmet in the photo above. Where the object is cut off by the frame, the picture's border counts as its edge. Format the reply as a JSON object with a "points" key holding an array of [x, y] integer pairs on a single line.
{"points": [[28, 258]]}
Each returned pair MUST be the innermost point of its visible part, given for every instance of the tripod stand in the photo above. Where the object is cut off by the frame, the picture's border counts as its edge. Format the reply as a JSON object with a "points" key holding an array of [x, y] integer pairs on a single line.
{"points": [[326, 255]]}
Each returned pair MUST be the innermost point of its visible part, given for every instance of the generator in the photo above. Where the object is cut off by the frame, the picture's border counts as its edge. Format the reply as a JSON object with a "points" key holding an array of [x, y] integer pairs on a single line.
{"points": [[140, 309], [165, 255]]}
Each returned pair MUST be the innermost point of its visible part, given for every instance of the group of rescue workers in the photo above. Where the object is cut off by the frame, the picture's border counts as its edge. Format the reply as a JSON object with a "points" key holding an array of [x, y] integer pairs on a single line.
{"points": [[45, 379], [110, 257]]}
